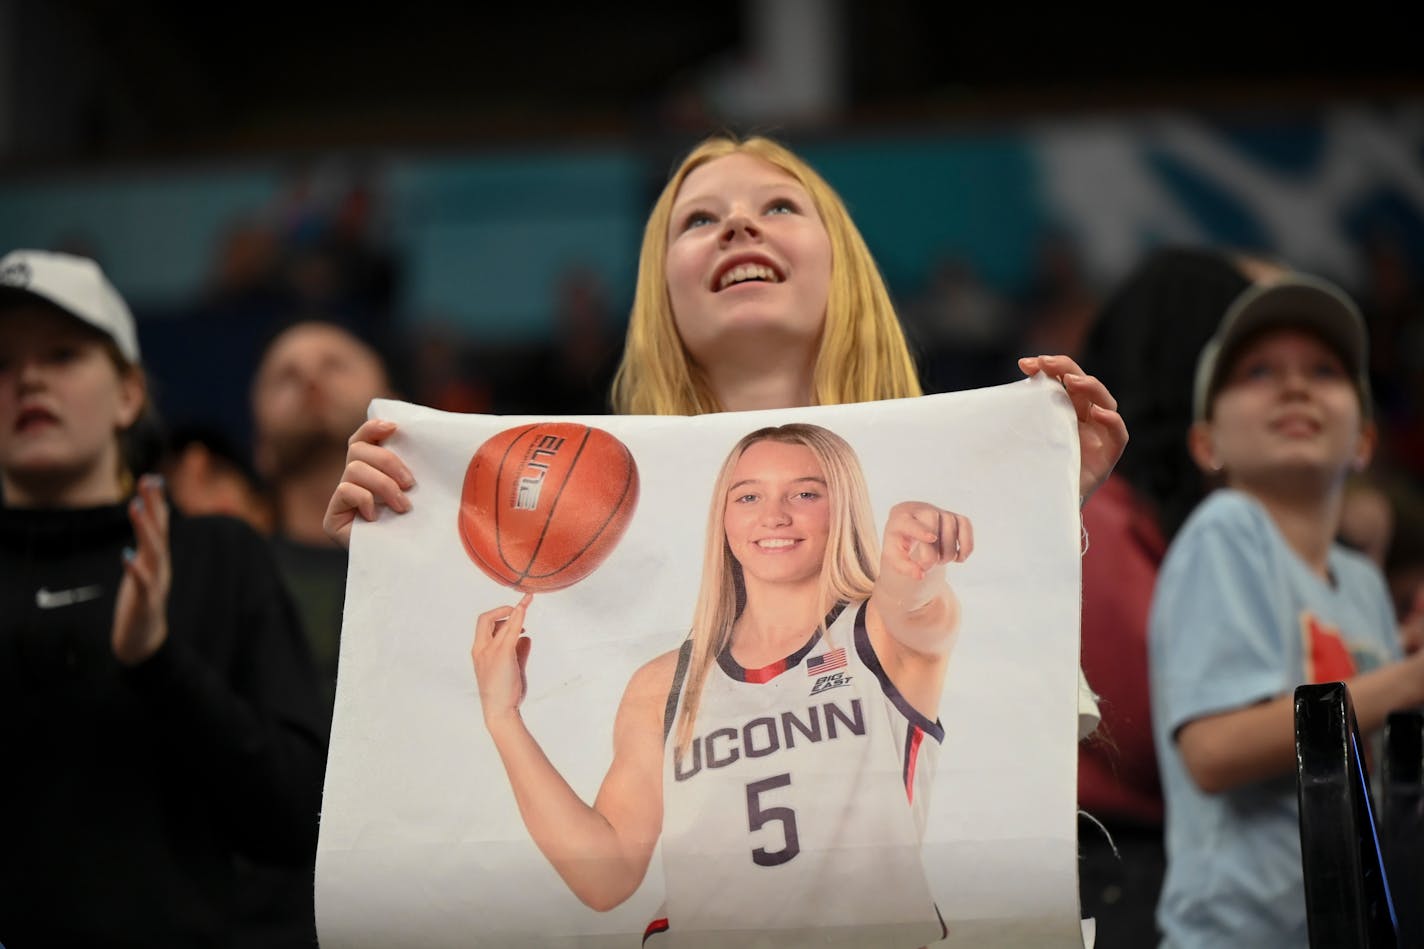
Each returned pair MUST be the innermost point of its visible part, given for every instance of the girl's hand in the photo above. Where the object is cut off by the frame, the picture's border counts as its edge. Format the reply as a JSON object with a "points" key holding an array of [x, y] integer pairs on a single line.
{"points": [[500, 653], [141, 612], [1102, 434], [373, 475], [920, 536]]}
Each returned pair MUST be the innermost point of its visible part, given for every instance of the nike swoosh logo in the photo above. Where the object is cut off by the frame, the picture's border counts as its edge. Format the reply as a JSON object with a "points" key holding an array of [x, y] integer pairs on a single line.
{"points": [[53, 599]]}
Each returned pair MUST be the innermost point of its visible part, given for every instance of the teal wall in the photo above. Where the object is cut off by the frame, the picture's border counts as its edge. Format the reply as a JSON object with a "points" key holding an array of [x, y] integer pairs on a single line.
{"points": [[484, 237]]}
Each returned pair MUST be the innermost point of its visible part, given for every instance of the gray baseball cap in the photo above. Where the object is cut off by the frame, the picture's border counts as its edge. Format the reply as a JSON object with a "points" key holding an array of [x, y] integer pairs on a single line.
{"points": [[77, 286], [1293, 300]]}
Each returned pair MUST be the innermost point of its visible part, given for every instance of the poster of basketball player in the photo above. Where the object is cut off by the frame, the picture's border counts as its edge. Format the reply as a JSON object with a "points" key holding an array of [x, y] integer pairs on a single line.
{"points": [[793, 678]]}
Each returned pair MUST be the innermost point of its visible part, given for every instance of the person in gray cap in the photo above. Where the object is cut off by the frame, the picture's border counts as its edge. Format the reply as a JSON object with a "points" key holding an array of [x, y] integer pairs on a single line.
{"points": [[158, 708], [1255, 597]]}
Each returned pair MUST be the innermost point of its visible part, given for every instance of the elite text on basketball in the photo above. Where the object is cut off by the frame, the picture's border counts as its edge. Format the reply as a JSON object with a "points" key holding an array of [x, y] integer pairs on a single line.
{"points": [[529, 485]]}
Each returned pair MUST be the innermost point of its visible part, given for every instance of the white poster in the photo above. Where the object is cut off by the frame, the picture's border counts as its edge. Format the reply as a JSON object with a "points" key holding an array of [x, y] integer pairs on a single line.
{"points": [[836, 815]]}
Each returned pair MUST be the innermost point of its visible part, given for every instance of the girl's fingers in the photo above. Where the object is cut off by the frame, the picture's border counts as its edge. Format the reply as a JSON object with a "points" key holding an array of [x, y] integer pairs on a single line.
{"points": [[350, 499], [1084, 390], [150, 488], [381, 485], [1114, 433], [1092, 387], [1088, 393], [144, 521], [521, 656], [141, 573], [963, 538], [488, 622], [924, 535], [915, 521], [160, 507], [1055, 366], [383, 460], [373, 430], [514, 625], [491, 624]]}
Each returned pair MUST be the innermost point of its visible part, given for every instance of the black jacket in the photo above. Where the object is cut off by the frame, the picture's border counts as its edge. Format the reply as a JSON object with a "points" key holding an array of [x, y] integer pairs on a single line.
{"points": [[126, 792]]}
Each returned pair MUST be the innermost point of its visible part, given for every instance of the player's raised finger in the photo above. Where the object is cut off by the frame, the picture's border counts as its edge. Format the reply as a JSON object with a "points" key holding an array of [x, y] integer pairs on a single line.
{"points": [[513, 627]]}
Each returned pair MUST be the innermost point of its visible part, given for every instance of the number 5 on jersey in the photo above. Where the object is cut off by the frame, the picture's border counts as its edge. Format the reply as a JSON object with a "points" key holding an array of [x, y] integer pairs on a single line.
{"points": [[759, 816]]}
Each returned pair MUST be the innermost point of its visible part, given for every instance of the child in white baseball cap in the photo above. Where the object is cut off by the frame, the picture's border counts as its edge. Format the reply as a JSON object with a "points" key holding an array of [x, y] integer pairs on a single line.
{"points": [[1254, 598]]}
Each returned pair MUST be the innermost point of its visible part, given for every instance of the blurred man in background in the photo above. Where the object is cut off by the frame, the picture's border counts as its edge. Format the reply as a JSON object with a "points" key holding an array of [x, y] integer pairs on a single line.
{"points": [[309, 394]]}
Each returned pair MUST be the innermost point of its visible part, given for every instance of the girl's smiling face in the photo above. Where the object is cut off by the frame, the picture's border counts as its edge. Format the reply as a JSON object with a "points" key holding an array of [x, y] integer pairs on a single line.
{"points": [[777, 517], [748, 260]]}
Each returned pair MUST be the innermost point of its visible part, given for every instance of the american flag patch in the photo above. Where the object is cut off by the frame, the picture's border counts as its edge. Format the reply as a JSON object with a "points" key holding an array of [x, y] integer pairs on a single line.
{"points": [[833, 659]]}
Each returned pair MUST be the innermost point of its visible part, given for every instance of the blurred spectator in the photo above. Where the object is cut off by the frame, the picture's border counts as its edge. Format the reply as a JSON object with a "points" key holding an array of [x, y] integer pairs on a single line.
{"points": [[158, 707], [1144, 347], [1404, 560], [334, 257], [1059, 307], [1393, 306], [318, 248], [208, 475], [572, 375], [246, 262], [1366, 519], [1393, 303], [1382, 517], [962, 329], [310, 393], [1254, 598], [440, 376]]}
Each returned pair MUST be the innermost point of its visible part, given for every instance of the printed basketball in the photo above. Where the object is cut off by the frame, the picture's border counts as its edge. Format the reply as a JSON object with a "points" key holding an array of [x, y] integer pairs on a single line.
{"points": [[544, 504]]}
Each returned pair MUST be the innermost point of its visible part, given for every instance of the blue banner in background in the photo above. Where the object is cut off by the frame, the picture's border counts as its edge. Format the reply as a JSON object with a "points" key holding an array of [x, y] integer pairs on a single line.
{"points": [[1313, 190]]}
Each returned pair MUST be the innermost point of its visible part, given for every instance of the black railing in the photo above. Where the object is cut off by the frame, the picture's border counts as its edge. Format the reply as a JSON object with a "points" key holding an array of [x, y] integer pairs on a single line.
{"points": [[1347, 891], [1402, 821]]}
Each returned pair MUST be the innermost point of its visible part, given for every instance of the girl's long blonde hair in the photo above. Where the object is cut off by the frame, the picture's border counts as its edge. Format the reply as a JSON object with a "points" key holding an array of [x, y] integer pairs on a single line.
{"points": [[847, 572], [863, 355]]}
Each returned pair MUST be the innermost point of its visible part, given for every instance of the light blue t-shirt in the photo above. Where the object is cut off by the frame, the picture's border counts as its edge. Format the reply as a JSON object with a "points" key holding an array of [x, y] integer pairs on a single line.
{"points": [[1238, 618]]}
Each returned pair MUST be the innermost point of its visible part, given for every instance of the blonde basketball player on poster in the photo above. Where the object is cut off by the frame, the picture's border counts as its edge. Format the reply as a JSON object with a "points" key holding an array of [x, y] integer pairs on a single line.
{"points": [[783, 754]]}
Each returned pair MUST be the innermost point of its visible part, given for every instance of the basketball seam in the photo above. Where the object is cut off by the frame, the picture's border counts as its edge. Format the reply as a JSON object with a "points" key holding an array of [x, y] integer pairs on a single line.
{"points": [[499, 473], [554, 507], [627, 484]]}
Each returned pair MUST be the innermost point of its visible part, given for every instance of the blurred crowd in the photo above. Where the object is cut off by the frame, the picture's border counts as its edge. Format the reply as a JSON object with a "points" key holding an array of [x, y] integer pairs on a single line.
{"points": [[260, 383], [1141, 335]]}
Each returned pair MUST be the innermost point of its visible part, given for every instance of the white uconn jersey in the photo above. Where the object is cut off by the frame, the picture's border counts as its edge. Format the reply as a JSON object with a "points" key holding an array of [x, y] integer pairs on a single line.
{"points": [[796, 816]]}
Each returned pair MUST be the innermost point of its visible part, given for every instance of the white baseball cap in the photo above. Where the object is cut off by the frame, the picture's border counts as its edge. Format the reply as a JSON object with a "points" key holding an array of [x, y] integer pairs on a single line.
{"points": [[77, 286], [1293, 300]]}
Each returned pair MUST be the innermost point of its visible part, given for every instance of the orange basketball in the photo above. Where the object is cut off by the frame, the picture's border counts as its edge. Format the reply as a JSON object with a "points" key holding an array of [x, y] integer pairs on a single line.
{"points": [[543, 504]]}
